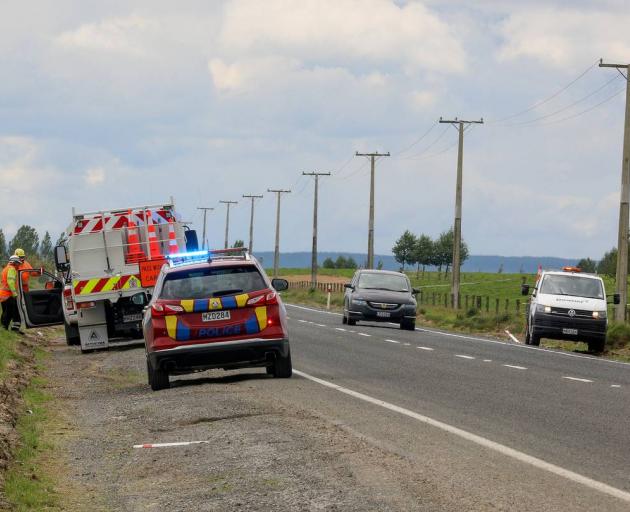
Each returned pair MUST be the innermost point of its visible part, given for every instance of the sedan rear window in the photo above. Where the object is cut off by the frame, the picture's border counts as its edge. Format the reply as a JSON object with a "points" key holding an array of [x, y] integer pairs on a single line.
{"points": [[391, 282], [211, 282]]}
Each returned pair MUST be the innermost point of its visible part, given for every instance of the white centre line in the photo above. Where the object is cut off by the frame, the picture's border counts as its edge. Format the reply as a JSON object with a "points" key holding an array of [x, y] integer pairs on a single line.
{"points": [[487, 360], [406, 344], [515, 367], [302, 321], [363, 334], [425, 348], [482, 441], [320, 325], [577, 379], [393, 341], [340, 329], [615, 386], [464, 357]]}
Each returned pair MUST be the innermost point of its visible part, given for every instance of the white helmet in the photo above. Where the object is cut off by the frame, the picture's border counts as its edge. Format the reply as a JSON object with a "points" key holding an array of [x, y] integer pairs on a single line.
{"points": [[14, 259]]}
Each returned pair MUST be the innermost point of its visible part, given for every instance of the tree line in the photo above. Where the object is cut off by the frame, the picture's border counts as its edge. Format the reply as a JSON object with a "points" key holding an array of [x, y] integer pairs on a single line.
{"points": [[340, 262], [423, 251], [38, 252]]}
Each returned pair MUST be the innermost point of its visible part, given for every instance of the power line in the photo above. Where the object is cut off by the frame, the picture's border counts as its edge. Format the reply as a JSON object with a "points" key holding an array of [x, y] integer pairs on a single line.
{"points": [[428, 147], [417, 140], [606, 100]]}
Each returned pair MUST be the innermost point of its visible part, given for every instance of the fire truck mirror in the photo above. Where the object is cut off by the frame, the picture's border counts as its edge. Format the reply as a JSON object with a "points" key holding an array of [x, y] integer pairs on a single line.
{"points": [[61, 258]]}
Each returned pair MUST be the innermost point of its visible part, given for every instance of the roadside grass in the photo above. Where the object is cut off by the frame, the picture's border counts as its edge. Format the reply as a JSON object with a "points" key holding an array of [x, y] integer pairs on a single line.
{"points": [[8, 344], [27, 486]]}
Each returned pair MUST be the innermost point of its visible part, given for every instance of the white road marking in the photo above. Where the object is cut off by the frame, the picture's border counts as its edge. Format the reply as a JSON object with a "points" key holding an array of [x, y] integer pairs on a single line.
{"points": [[577, 379], [363, 334], [320, 325], [484, 340], [487, 360], [425, 348], [393, 341], [464, 357], [340, 329], [615, 386], [512, 336], [482, 441], [302, 321], [515, 367], [165, 445], [406, 344]]}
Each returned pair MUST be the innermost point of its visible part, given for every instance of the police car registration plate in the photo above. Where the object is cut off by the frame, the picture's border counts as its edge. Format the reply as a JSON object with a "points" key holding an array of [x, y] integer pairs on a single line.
{"points": [[215, 315]]}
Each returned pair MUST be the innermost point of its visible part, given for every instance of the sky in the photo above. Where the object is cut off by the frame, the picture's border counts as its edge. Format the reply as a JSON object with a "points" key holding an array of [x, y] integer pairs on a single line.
{"points": [[110, 104]]}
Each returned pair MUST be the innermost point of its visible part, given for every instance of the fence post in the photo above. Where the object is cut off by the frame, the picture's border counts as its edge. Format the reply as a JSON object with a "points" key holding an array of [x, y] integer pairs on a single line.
{"points": [[507, 305], [479, 302], [421, 296], [466, 301], [497, 306], [446, 300], [434, 298], [487, 304], [459, 301], [518, 306]]}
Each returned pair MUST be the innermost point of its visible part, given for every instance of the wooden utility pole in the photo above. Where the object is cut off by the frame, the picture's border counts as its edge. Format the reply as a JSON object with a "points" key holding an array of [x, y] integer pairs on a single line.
{"points": [[622, 236], [314, 253], [370, 255], [227, 221], [205, 211], [276, 253], [251, 220], [457, 227]]}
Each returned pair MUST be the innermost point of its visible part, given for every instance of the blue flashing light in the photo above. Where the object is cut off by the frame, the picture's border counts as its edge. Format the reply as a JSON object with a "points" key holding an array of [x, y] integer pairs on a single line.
{"points": [[182, 258]]}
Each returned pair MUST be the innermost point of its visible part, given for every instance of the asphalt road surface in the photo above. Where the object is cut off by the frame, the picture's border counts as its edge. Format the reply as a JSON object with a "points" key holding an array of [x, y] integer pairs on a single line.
{"points": [[560, 421]]}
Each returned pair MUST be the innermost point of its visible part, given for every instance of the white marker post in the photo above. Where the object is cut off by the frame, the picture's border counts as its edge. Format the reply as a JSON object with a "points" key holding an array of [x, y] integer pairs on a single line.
{"points": [[328, 299]]}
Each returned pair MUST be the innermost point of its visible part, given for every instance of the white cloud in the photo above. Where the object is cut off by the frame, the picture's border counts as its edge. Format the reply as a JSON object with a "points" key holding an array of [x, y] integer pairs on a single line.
{"points": [[95, 176], [421, 100], [377, 31], [558, 36]]}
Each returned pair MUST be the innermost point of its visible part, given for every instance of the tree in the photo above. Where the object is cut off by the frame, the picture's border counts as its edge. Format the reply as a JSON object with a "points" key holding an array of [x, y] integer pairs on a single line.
{"points": [[404, 248], [328, 263], [3, 247], [588, 265], [341, 262], [26, 238], [45, 248], [238, 244], [500, 271], [444, 250], [423, 252], [351, 263], [62, 240], [380, 265], [608, 264]]}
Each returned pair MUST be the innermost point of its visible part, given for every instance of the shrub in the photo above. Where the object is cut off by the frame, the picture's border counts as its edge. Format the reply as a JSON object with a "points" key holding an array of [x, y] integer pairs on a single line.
{"points": [[618, 335]]}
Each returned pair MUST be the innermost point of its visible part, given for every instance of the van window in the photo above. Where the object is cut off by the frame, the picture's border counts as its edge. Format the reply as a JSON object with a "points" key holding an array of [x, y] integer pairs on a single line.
{"points": [[572, 285]]}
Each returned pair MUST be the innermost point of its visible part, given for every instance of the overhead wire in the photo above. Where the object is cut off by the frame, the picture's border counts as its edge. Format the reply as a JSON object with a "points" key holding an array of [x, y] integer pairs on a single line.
{"points": [[605, 100], [435, 141], [398, 153]]}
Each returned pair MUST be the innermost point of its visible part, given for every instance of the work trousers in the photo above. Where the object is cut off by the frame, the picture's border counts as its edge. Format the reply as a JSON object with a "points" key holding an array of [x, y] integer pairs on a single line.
{"points": [[10, 312]]}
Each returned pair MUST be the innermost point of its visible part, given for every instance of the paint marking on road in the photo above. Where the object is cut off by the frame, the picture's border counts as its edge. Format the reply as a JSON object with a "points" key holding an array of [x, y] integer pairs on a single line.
{"points": [[353, 332], [485, 340], [340, 329], [482, 441], [515, 367], [393, 341], [363, 334], [302, 321], [487, 360], [615, 386], [406, 344], [512, 336], [425, 348], [166, 445], [463, 356], [577, 379], [320, 325]]}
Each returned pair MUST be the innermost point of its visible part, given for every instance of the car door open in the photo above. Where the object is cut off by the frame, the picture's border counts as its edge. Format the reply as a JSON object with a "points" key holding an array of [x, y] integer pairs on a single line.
{"points": [[39, 298]]}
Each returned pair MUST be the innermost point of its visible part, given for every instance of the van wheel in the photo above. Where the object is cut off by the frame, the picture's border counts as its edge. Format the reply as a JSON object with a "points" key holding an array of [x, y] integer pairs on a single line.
{"points": [[596, 346], [282, 368], [535, 340], [72, 334], [528, 337], [158, 378]]}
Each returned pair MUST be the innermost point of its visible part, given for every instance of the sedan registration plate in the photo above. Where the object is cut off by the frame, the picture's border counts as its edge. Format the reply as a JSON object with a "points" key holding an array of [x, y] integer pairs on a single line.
{"points": [[383, 314], [570, 331], [213, 316]]}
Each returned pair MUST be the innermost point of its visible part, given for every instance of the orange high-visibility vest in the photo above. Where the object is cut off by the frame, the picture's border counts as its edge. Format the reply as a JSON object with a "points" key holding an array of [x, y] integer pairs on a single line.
{"points": [[26, 275], [5, 291]]}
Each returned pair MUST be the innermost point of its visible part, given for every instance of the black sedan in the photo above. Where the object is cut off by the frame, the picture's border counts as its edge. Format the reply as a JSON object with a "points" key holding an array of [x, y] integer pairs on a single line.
{"points": [[380, 296]]}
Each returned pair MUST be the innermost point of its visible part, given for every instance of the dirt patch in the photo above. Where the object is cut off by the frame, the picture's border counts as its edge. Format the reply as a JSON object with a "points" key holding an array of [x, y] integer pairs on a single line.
{"points": [[17, 375]]}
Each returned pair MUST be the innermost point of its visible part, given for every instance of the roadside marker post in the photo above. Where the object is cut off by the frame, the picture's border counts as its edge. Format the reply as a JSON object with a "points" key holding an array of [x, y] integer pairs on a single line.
{"points": [[328, 299]]}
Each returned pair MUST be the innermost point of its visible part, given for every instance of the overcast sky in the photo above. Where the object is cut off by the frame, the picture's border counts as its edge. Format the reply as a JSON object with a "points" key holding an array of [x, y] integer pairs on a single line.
{"points": [[108, 104]]}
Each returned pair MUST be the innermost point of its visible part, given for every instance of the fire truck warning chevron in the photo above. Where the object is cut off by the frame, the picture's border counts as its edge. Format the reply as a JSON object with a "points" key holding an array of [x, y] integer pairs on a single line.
{"points": [[107, 266]]}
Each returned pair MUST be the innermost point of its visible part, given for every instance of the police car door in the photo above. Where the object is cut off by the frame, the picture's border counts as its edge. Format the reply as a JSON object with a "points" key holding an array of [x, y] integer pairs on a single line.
{"points": [[39, 298]]}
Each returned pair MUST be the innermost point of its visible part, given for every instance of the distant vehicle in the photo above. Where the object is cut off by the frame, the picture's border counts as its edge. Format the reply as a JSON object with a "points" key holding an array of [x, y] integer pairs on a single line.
{"points": [[380, 296], [568, 305], [214, 309]]}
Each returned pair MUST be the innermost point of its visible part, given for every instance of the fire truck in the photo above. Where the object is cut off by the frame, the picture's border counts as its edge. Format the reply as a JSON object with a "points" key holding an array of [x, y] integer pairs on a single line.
{"points": [[109, 258]]}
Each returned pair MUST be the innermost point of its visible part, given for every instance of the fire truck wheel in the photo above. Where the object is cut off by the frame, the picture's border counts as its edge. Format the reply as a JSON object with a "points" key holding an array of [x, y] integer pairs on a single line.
{"points": [[72, 334]]}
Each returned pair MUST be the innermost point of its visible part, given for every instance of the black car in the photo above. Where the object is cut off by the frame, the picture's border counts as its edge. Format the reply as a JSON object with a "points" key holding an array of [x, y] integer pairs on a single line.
{"points": [[380, 296]]}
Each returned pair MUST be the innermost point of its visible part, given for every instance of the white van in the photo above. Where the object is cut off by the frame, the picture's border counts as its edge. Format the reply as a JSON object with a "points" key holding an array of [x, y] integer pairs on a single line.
{"points": [[568, 305]]}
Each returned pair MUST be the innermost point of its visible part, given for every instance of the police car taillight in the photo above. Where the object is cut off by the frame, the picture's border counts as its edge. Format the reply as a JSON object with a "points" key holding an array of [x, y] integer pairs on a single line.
{"points": [[166, 309]]}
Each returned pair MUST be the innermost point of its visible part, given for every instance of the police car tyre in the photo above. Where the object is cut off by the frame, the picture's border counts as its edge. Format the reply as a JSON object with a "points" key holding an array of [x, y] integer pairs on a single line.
{"points": [[158, 378], [282, 368], [72, 334]]}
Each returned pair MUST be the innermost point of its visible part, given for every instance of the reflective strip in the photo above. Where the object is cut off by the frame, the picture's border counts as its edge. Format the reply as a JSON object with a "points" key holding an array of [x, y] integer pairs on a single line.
{"points": [[261, 316], [107, 284], [241, 300], [171, 326], [188, 305], [215, 304]]}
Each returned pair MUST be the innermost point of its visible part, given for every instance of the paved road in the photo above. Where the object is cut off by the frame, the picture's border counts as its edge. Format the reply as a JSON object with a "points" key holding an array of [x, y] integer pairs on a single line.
{"points": [[569, 410]]}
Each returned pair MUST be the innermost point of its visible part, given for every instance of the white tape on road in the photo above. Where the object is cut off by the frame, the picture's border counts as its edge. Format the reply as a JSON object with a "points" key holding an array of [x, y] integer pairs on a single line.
{"points": [[482, 441], [166, 445], [577, 379], [512, 336], [516, 367]]}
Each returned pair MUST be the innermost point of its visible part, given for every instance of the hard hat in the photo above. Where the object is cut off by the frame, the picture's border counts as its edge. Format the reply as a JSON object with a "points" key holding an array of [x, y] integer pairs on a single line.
{"points": [[20, 253], [14, 259]]}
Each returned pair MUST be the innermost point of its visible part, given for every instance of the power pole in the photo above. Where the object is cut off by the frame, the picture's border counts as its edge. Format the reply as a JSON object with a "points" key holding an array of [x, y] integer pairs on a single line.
{"points": [[205, 211], [457, 228], [227, 221], [251, 220], [276, 254], [314, 254], [622, 243], [370, 255]]}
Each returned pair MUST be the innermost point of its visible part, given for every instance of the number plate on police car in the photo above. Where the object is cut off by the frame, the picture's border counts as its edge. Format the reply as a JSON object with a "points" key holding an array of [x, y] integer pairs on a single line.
{"points": [[215, 315], [383, 314], [569, 331]]}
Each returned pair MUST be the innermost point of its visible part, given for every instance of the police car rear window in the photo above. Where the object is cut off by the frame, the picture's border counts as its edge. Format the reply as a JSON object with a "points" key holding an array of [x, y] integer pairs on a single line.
{"points": [[211, 282]]}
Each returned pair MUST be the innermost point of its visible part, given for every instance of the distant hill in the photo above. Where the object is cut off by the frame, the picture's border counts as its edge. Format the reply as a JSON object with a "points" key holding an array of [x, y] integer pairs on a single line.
{"points": [[511, 264]]}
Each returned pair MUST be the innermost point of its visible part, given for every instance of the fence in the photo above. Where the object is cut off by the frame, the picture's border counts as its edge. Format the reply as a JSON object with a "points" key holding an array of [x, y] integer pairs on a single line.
{"points": [[446, 300]]}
